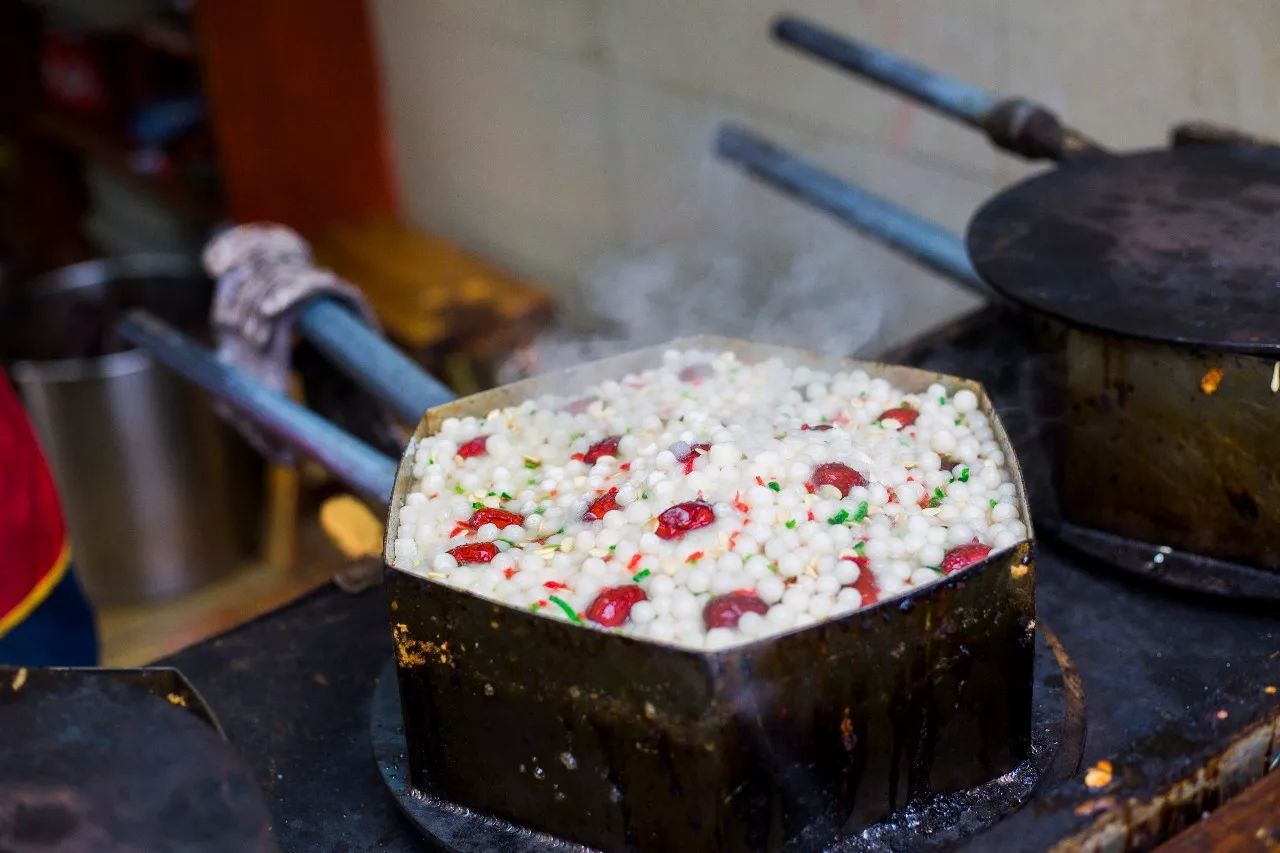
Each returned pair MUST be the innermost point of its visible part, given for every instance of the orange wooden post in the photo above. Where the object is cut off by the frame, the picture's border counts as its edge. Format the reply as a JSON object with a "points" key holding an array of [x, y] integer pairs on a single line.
{"points": [[295, 101]]}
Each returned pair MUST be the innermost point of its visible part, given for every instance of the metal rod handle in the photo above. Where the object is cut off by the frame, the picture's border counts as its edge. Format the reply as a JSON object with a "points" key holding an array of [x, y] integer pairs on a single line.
{"points": [[923, 241], [371, 360], [945, 94], [348, 458], [1013, 124]]}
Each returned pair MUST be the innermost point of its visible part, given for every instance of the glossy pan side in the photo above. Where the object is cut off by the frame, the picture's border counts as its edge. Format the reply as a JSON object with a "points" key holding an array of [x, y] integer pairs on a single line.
{"points": [[785, 742]]}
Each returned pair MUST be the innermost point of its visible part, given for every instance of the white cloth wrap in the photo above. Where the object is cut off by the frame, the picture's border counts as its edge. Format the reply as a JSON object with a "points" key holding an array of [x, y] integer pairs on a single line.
{"points": [[265, 276]]}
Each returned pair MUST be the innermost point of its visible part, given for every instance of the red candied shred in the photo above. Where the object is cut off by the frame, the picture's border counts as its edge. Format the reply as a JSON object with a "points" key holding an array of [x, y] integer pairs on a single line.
{"points": [[474, 552], [965, 555], [474, 447], [837, 474], [499, 518], [604, 447], [613, 605], [691, 455], [602, 505], [866, 583], [577, 407], [724, 611], [695, 373], [678, 520], [818, 428], [904, 415]]}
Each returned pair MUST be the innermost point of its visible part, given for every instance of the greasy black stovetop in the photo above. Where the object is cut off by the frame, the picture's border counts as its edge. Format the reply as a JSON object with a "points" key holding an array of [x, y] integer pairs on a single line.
{"points": [[1171, 681]]}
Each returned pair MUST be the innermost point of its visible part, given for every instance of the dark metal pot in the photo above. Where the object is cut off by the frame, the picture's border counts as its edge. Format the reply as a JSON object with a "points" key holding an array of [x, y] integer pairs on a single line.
{"points": [[785, 742], [1153, 271]]}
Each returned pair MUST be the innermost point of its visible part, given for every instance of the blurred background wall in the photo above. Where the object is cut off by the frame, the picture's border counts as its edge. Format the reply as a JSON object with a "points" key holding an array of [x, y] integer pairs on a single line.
{"points": [[545, 133]]}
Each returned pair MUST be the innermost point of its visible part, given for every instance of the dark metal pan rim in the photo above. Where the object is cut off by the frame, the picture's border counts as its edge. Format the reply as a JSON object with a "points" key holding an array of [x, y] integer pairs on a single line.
{"points": [[1266, 350], [903, 600]]}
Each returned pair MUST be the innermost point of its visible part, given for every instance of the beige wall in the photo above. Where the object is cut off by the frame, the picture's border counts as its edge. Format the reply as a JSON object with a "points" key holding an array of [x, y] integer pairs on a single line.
{"points": [[548, 133]]}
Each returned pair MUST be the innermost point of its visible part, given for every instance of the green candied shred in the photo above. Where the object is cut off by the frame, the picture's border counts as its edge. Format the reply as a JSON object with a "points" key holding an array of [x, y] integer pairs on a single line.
{"points": [[942, 401], [641, 575], [775, 485], [862, 511], [791, 524], [477, 505], [458, 488], [859, 545], [532, 466], [964, 475], [839, 518], [564, 605], [993, 503], [505, 496]]}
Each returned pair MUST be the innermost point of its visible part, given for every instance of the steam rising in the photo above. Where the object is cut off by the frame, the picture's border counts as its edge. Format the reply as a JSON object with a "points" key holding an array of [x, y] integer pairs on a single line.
{"points": [[742, 262]]}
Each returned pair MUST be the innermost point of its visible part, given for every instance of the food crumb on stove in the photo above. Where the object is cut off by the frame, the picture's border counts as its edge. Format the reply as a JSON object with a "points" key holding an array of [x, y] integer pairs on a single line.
{"points": [[1270, 690], [177, 699], [19, 679], [1099, 775], [1222, 714], [710, 513], [1211, 380]]}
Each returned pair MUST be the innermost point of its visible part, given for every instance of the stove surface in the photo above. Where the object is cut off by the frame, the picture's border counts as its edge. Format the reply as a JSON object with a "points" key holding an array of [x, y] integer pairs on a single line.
{"points": [[1175, 685]]}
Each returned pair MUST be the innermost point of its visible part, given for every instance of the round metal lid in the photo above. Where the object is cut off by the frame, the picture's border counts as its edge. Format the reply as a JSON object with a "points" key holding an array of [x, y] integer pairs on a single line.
{"points": [[1178, 246]]}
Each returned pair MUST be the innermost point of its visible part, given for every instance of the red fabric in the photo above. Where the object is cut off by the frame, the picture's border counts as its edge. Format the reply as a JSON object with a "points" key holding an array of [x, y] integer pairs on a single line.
{"points": [[31, 526]]}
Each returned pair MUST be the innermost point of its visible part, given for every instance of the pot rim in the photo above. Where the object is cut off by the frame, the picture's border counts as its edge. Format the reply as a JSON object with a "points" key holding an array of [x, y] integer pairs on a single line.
{"points": [[97, 272]]}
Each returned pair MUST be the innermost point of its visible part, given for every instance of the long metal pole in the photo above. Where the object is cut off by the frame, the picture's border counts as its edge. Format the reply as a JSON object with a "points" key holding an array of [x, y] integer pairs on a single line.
{"points": [[371, 360], [945, 94], [348, 458], [923, 241], [1013, 124]]}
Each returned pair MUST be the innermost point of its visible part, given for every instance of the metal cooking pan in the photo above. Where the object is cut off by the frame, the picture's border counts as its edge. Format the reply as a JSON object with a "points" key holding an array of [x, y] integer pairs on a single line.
{"points": [[121, 759], [1151, 276], [615, 742]]}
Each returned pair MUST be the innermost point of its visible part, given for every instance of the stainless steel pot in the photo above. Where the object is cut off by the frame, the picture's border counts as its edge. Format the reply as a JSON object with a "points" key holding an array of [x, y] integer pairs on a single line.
{"points": [[160, 497]]}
